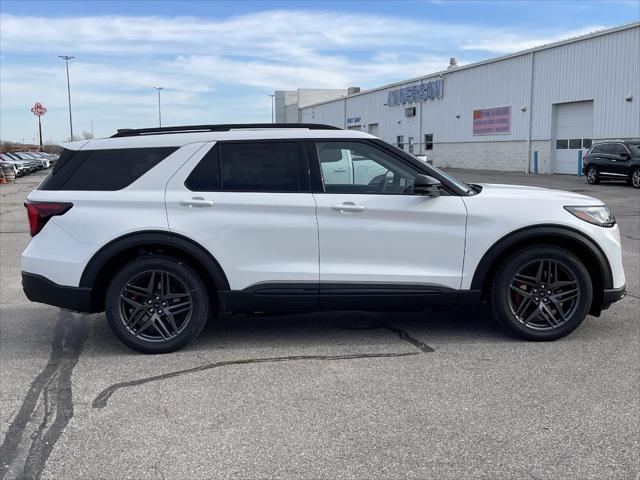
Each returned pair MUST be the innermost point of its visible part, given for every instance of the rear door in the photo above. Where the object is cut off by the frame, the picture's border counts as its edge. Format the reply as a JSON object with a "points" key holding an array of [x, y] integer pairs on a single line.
{"points": [[380, 243], [249, 204], [621, 159]]}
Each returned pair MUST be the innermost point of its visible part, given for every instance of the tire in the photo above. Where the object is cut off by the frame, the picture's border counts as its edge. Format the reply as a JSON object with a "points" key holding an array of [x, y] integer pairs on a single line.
{"points": [[634, 178], [535, 320], [179, 302], [592, 176]]}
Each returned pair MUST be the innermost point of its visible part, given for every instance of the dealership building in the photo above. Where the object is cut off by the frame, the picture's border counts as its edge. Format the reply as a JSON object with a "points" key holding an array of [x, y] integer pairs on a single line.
{"points": [[541, 106]]}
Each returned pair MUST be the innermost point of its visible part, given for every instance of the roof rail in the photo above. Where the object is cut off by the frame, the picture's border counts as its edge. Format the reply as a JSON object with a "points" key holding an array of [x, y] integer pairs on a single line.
{"points": [[134, 132]]}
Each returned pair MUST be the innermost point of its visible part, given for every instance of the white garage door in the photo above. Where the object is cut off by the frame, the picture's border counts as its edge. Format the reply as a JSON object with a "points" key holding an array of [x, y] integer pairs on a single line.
{"points": [[573, 132]]}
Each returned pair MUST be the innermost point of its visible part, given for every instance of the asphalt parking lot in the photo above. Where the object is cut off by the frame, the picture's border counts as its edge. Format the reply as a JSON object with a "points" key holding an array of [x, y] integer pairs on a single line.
{"points": [[340, 395]]}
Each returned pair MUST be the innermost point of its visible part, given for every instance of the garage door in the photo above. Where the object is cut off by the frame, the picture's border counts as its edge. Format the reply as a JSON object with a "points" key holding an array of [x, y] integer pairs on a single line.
{"points": [[573, 132]]}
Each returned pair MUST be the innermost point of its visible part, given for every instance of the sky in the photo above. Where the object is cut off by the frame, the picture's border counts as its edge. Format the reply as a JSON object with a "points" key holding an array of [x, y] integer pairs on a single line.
{"points": [[218, 61]]}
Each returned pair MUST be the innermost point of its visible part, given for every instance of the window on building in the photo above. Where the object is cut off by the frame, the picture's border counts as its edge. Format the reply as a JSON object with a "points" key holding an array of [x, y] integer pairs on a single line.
{"points": [[105, 170], [562, 144], [263, 167], [400, 141], [428, 141], [586, 143], [575, 143], [410, 144]]}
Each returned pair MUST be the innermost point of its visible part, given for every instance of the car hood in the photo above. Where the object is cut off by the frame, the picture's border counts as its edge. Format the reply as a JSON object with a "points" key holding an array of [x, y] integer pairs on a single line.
{"points": [[536, 193]]}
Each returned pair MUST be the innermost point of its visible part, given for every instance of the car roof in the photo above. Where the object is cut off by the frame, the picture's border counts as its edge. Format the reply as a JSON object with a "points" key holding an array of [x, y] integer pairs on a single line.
{"points": [[170, 139]]}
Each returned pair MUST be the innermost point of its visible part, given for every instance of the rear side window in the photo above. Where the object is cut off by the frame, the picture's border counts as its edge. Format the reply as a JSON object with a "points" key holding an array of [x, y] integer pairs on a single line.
{"points": [[105, 170], [251, 167]]}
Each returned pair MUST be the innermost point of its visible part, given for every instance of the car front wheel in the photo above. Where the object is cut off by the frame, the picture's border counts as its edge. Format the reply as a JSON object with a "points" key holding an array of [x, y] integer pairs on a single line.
{"points": [[635, 177], [157, 304], [541, 293], [592, 176]]}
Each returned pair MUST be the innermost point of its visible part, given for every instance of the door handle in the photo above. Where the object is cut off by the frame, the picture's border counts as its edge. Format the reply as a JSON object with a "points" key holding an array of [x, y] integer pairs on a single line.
{"points": [[348, 207], [339, 170], [196, 202]]}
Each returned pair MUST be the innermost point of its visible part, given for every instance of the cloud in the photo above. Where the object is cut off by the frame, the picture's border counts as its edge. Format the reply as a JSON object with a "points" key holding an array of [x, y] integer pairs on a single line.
{"points": [[219, 70]]}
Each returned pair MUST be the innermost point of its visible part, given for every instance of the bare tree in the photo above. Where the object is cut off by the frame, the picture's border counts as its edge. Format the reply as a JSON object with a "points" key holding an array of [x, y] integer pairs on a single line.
{"points": [[87, 135]]}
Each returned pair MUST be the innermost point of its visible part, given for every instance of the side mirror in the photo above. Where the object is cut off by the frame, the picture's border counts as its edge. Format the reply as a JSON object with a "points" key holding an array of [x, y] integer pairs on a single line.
{"points": [[625, 155], [426, 185]]}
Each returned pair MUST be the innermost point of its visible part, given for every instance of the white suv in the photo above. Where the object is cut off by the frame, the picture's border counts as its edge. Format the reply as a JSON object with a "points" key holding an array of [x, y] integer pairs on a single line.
{"points": [[163, 228]]}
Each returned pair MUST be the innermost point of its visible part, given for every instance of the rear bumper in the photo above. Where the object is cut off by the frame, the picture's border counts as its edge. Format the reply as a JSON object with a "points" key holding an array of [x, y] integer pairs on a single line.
{"points": [[40, 289]]}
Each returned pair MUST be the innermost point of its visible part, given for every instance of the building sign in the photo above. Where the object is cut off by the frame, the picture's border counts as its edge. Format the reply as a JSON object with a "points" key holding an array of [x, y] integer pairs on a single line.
{"points": [[416, 93], [354, 120], [492, 121]]}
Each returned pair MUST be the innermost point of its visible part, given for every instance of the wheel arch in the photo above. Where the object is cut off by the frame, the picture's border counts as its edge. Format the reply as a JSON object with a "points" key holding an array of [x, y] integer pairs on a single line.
{"points": [[573, 240], [106, 261]]}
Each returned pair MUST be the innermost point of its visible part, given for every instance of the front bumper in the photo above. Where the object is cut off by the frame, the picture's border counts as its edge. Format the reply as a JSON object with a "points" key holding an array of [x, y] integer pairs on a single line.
{"points": [[40, 289], [612, 295]]}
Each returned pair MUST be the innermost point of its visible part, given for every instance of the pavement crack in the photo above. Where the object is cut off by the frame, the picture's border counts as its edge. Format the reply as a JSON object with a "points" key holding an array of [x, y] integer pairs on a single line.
{"points": [[47, 406], [103, 397], [403, 334]]}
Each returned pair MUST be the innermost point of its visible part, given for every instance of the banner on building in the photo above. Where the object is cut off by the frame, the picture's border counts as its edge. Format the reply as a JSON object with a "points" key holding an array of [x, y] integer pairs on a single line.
{"points": [[492, 121]]}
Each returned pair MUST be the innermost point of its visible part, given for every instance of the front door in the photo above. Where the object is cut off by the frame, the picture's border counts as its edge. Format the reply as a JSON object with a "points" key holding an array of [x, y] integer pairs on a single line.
{"points": [[249, 204], [377, 237]]}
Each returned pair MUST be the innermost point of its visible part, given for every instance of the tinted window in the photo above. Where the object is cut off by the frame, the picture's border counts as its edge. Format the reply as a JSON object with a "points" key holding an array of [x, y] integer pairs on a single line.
{"points": [[105, 170], [263, 167], [353, 167], [586, 143], [620, 149], [206, 176], [609, 148], [596, 149]]}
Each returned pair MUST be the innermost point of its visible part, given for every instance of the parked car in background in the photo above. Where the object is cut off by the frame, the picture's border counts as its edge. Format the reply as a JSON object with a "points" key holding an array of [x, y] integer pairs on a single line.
{"points": [[162, 228], [28, 166], [614, 159], [18, 170], [32, 158], [42, 158]]}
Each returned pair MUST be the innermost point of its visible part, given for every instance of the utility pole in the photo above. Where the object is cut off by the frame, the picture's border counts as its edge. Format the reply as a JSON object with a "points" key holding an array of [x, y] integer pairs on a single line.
{"points": [[273, 120], [66, 59], [159, 110]]}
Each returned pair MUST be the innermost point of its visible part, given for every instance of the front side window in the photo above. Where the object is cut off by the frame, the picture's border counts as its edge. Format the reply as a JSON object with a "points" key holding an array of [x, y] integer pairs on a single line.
{"points": [[353, 167], [263, 167], [620, 149], [609, 148]]}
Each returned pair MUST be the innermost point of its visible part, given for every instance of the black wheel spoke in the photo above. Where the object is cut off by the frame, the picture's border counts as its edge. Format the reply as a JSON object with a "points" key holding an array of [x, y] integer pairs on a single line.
{"points": [[155, 306], [544, 294]]}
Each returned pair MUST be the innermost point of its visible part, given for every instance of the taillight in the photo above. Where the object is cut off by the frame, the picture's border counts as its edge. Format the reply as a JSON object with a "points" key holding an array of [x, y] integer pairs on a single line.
{"points": [[40, 212]]}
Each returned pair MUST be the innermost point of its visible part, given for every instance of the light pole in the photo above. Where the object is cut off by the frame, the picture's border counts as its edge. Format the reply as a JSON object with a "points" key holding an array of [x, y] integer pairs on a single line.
{"points": [[66, 59], [272, 107], [159, 111]]}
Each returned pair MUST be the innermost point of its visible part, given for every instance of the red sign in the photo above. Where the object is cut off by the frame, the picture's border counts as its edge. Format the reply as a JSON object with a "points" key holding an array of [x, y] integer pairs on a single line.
{"points": [[492, 121], [38, 109]]}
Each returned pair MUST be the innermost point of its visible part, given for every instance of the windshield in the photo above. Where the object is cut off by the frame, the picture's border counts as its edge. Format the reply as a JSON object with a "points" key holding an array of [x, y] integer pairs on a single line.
{"points": [[634, 148]]}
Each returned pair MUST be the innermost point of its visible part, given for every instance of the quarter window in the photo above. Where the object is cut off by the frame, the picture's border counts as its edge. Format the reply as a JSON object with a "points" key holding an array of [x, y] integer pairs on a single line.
{"points": [[353, 167], [105, 170]]}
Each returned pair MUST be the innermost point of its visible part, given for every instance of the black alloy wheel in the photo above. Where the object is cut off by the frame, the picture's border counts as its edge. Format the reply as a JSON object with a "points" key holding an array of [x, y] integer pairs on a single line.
{"points": [[157, 304], [541, 293]]}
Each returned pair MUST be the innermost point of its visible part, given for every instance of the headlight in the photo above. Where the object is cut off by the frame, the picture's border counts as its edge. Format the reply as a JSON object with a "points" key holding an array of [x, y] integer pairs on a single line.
{"points": [[601, 215]]}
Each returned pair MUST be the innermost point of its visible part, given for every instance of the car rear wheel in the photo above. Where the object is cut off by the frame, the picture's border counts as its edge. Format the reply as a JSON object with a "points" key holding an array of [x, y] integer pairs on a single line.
{"points": [[592, 176], [157, 304], [541, 293], [635, 177]]}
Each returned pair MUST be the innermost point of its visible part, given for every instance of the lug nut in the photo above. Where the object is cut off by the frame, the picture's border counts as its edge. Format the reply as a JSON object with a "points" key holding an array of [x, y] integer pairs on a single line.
{"points": [[535, 290], [537, 299], [549, 292]]}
